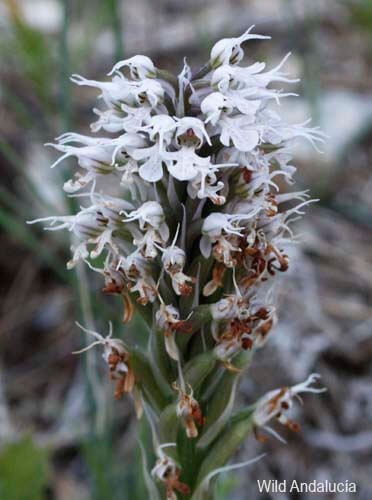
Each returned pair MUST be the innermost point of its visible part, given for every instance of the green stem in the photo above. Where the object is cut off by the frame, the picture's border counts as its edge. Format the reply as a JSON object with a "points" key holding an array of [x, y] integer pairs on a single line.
{"points": [[117, 29], [65, 97]]}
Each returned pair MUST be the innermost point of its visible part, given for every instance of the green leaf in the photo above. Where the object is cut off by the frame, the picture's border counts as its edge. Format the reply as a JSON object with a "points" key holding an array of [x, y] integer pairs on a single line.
{"points": [[199, 368], [169, 424], [155, 393], [160, 360], [225, 447], [23, 471], [34, 52], [150, 484], [219, 409], [221, 404]]}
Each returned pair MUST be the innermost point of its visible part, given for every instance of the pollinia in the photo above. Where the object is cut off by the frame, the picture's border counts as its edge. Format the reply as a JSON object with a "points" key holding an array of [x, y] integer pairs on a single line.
{"points": [[181, 188]]}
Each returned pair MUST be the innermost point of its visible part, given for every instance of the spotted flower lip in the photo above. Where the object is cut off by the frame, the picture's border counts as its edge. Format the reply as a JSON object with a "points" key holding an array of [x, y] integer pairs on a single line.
{"points": [[193, 129]]}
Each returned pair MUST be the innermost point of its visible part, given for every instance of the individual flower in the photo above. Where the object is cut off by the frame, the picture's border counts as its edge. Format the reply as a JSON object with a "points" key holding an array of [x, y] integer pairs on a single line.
{"points": [[217, 105], [160, 129], [117, 358], [114, 93], [168, 320], [174, 259], [109, 120], [277, 403], [149, 215], [239, 323], [168, 472], [229, 51], [217, 227], [94, 225], [189, 411], [140, 67], [139, 277], [250, 81]]}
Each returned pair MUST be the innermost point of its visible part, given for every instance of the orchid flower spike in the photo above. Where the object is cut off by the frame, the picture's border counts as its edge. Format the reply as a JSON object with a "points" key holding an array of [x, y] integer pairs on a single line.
{"points": [[183, 218]]}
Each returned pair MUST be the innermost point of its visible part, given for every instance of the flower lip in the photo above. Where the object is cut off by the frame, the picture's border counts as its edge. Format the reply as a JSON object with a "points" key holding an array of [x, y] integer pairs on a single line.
{"points": [[192, 131]]}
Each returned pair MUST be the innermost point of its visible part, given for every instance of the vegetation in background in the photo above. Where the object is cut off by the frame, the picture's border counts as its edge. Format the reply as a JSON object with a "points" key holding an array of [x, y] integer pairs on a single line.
{"points": [[23, 471]]}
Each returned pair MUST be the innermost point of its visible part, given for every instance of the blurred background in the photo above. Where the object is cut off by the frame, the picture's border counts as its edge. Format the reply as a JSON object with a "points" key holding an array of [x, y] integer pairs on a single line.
{"points": [[62, 436]]}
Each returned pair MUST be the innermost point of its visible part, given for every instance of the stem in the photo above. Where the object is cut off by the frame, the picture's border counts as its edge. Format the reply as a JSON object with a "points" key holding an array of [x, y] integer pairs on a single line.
{"points": [[95, 390], [117, 29], [65, 97]]}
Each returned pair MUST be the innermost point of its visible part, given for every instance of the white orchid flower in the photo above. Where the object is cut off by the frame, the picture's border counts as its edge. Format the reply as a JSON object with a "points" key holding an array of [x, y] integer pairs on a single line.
{"points": [[140, 67], [229, 51]]}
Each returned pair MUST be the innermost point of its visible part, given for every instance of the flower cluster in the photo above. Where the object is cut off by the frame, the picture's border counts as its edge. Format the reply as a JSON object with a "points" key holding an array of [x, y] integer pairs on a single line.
{"points": [[186, 196]]}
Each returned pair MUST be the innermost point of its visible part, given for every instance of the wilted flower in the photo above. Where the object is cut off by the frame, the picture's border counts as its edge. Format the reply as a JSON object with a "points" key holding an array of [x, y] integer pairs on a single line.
{"points": [[277, 403], [117, 358], [167, 471], [189, 410]]}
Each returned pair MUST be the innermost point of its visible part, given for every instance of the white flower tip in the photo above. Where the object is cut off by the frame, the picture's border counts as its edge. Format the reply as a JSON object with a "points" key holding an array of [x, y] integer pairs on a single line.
{"points": [[306, 385], [79, 80], [166, 445]]}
